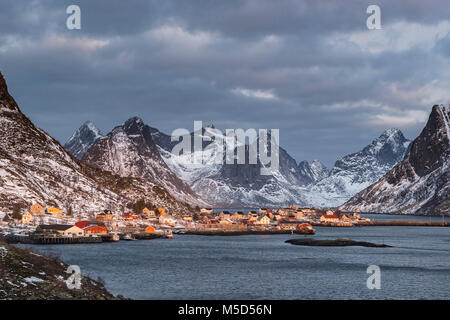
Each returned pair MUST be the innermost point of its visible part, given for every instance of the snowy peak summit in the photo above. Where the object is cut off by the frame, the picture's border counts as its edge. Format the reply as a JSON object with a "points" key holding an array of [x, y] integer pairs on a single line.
{"points": [[129, 151], [420, 184], [389, 147], [83, 139], [133, 125]]}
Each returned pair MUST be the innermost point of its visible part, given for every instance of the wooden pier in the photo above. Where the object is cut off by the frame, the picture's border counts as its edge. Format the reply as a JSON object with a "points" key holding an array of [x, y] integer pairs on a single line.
{"points": [[50, 240]]}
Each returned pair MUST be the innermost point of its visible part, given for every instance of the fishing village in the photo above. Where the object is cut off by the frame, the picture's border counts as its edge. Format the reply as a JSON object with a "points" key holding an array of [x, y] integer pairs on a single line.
{"points": [[52, 225]]}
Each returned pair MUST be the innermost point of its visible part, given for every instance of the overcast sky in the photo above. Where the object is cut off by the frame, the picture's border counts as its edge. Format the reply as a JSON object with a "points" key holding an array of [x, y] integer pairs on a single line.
{"points": [[310, 68]]}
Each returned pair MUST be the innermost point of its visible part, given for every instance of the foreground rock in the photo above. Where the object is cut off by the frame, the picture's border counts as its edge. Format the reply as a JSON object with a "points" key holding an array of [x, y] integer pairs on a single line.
{"points": [[334, 243], [26, 275]]}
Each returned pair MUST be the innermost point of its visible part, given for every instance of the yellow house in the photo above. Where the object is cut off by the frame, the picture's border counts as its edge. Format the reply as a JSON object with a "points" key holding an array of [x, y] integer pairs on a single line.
{"points": [[187, 218], [166, 220], [206, 210], [329, 218], [27, 217], [54, 211], [162, 212], [299, 215], [37, 210], [62, 229], [264, 220], [148, 213]]}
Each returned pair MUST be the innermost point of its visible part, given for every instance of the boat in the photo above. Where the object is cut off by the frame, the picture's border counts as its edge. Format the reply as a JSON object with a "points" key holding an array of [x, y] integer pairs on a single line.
{"points": [[169, 235], [305, 228], [129, 237]]}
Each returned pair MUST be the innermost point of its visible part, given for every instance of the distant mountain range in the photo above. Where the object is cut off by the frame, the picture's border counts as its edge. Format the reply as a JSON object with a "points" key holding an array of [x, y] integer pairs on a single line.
{"points": [[420, 183], [34, 167], [356, 171], [235, 185], [134, 162]]}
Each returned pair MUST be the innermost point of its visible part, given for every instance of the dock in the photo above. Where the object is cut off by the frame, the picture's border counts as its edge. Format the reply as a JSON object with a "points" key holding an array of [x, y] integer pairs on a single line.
{"points": [[11, 239], [407, 223]]}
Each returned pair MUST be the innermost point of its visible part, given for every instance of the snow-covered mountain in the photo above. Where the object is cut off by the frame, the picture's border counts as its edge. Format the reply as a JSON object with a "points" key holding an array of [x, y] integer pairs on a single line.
{"points": [[234, 185], [356, 171], [420, 184], [315, 171], [129, 151], [189, 167], [82, 139], [303, 183], [34, 167]]}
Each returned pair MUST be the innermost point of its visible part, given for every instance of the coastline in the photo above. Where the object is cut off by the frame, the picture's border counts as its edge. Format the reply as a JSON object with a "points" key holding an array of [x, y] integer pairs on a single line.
{"points": [[31, 275]]}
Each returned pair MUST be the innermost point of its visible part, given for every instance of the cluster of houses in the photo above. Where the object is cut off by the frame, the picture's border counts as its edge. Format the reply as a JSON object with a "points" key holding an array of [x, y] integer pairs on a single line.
{"points": [[103, 222], [99, 224], [282, 219], [37, 210]]}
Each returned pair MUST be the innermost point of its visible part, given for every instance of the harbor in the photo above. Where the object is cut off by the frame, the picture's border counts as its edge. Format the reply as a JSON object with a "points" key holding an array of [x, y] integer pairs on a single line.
{"points": [[51, 225], [265, 267]]}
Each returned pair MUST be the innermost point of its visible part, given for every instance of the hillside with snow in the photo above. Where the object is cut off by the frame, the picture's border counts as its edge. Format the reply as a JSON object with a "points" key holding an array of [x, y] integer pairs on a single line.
{"points": [[420, 184], [129, 151], [357, 171], [34, 167]]}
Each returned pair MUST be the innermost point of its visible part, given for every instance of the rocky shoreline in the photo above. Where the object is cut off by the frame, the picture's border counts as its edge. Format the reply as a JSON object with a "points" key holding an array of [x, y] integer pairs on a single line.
{"points": [[29, 275]]}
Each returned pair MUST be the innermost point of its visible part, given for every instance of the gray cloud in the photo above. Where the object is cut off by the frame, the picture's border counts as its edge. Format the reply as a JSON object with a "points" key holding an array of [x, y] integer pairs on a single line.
{"points": [[311, 69]]}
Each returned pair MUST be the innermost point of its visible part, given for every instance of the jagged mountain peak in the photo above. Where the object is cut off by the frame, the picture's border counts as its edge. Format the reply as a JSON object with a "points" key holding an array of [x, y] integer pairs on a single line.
{"points": [[83, 139], [420, 184], [354, 172], [133, 125], [430, 149], [6, 101], [34, 167], [388, 142], [3, 87], [130, 151], [392, 132]]}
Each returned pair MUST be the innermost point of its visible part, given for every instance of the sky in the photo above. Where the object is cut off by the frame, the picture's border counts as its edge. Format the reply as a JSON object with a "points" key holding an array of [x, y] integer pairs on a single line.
{"points": [[311, 69]]}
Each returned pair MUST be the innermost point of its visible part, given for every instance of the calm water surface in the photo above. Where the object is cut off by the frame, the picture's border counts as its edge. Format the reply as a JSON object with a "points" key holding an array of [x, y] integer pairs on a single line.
{"points": [[264, 267]]}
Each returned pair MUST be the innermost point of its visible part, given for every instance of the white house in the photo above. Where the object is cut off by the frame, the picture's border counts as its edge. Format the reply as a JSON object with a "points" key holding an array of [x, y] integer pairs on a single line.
{"points": [[167, 220]]}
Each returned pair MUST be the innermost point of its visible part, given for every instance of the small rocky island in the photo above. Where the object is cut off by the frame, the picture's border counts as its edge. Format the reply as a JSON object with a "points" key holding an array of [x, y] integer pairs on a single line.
{"points": [[343, 242], [28, 275]]}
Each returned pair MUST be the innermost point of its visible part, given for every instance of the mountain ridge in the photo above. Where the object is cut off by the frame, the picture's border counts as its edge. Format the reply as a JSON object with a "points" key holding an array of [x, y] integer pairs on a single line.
{"points": [[129, 151], [34, 167], [420, 183]]}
